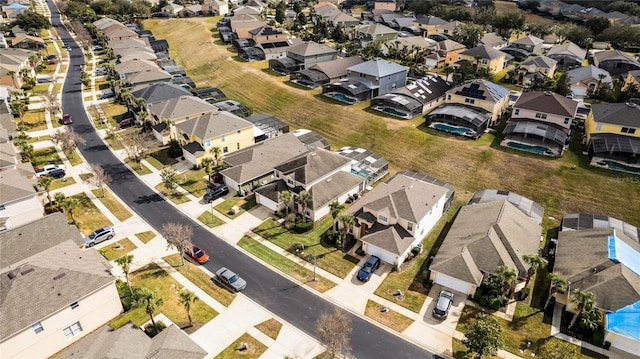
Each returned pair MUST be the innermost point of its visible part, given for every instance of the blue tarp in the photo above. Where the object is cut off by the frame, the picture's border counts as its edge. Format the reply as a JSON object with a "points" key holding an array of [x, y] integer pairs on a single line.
{"points": [[620, 252], [625, 321]]}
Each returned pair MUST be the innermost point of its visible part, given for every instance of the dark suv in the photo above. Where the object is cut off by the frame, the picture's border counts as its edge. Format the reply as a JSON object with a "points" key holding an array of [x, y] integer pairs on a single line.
{"points": [[56, 173], [214, 193], [372, 264]]}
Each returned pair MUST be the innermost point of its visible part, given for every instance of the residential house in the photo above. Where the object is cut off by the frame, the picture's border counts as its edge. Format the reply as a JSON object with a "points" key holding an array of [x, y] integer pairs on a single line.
{"points": [[233, 106], [220, 129], [215, 7], [123, 69], [242, 24], [324, 175], [325, 72], [13, 10], [536, 67], [267, 126], [446, 53], [540, 123], [568, 55], [486, 57], [132, 43], [447, 30], [365, 163], [19, 202], [404, 46], [267, 33], [3, 42], [587, 80], [494, 40], [246, 10], [303, 56], [191, 11], [613, 136], [429, 25], [105, 22], [394, 217], [418, 97], [311, 139], [53, 293], [158, 92], [171, 9], [132, 343], [601, 255], [28, 42], [470, 109], [616, 62], [529, 43], [367, 80], [166, 114], [375, 32], [343, 20], [12, 62], [632, 79], [485, 235], [384, 5], [119, 32]]}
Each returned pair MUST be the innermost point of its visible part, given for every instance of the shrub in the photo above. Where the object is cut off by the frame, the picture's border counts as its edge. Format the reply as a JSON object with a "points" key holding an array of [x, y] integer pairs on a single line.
{"points": [[490, 302], [174, 150], [151, 331], [302, 227]]}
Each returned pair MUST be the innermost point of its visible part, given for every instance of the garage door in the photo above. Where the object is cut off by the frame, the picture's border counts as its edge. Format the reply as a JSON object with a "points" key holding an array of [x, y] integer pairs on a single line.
{"points": [[380, 253], [452, 283]]}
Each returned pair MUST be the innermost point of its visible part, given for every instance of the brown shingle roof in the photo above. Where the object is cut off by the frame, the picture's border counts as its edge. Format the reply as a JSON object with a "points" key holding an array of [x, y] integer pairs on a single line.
{"points": [[547, 102]]}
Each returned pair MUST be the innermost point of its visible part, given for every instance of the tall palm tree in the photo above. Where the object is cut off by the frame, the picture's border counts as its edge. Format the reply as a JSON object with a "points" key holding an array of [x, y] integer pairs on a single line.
{"points": [[347, 222], [508, 277], [125, 264], [590, 319], [217, 154], [207, 163], [535, 262], [45, 183], [287, 198], [68, 204], [558, 282], [186, 299], [304, 198], [583, 300], [335, 208], [149, 300]]}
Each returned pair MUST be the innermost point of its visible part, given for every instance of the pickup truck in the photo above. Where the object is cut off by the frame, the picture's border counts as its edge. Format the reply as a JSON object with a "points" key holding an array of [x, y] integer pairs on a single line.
{"points": [[49, 169]]}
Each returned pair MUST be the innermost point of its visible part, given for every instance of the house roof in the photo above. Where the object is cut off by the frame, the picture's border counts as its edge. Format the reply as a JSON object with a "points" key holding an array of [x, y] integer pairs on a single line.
{"points": [[614, 55], [635, 74], [342, 18], [22, 38], [310, 48], [148, 76], [484, 52], [527, 206], [135, 65], [393, 239], [449, 45], [430, 20], [14, 186], [378, 67], [623, 114], [337, 68], [424, 90], [482, 90], [568, 49], [547, 102], [105, 22], [311, 139], [159, 92], [311, 166], [375, 29], [256, 161], [473, 115], [213, 125], [529, 40], [61, 272], [183, 106], [485, 236], [582, 73], [129, 43], [540, 62], [131, 342], [329, 189], [492, 39], [113, 32], [578, 221]]}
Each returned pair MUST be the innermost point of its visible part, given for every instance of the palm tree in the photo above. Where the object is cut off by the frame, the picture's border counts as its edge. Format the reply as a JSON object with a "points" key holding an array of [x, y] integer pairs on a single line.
{"points": [[45, 183], [583, 300], [207, 163], [217, 154], [335, 208], [447, 69], [508, 276], [125, 264], [304, 198], [186, 299], [68, 204], [149, 300], [535, 261], [558, 282], [287, 198], [590, 319], [347, 221]]}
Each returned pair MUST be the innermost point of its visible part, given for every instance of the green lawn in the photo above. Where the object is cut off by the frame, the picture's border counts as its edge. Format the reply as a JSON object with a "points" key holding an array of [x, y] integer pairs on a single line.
{"points": [[194, 181], [74, 158], [284, 264], [270, 327], [112, 204], [115, 112], [210, 220], [34, 120], [87, 216], [175, 196], [138, 167], [161, 158], [113, 251], [254, 350], [330, 258], [243, 203], [46, 156], [155, 278], [145, 237], [61, 182], [391, 319], [38, 138]]}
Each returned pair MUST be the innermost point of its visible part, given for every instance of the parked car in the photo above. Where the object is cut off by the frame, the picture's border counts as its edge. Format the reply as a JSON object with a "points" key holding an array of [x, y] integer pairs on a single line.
{"points": [[215, 193], [230, 280], [127, 122], [445, 299], [107, 94], [370, 266], [66, 119], [197, 254], [99, 235], [43, 80], [57, 173], [52, 61], [48, 169]]}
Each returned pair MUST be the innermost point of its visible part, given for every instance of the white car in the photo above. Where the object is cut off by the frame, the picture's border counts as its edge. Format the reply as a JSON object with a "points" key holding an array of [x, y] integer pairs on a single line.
{"points": [[46, 170], [99, 235]]}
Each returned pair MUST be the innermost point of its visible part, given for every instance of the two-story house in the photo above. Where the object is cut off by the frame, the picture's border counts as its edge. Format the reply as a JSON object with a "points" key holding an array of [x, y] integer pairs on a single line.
{"points": [[568, 55], [325, 175], [445, 53], [429, 25], [215, 7], [165, 114], [486, 57], [632, 79], [52, 292], [586, 80], [19, 203], [416, 98], [470, 109], [613, 136], [536, 67], [616, 62], [302, 56], [12, 62], [375, 32], [220, 129], [325, 72], [540, 123], [530, 43], [396, 215]]}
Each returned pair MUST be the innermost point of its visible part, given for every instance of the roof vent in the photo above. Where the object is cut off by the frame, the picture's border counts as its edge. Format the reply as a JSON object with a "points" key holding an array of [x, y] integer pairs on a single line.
{"points": [[11, 275], [631, 104], [328, 179], [27, 271], [58, 276]]}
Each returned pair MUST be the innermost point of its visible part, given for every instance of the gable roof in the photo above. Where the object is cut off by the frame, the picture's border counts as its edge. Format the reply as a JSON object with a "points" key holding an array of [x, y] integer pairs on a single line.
{"points": [[570, 49], [375, 29], [424, 90], [540, 62], [213, 125], [614, 55], [589, 72], [22, 38], [311, 166], [393, 239], [378, 67], [547, 102], [135, 65], [334, 186], [337, 68], [310, 48], [529, 40], [623, 114], [430, 20], [527, 206], [14, 186], [484, 52], [481, 89], [449, 45], [159, 92], [179, 107], [492, 39]]}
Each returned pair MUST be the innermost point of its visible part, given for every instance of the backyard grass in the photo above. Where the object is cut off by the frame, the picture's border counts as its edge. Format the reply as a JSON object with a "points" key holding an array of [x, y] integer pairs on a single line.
{"points": [[45, 156], [194, 181], [198, 277], [140, 168], [156, 279], [34, 120], [391, 319], [210, 220], [145, 237], [254, 350], [285, 265], [329, 258], [410, 279], [175, 196], [270, 327], [112, 251], [243, 203], [61, 182], [113, 205], [87, 216], [564, 185]]}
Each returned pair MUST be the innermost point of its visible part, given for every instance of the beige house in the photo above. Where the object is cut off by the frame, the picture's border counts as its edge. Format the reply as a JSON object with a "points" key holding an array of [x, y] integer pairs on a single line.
{"points": [[168, 113], [486, 57], [52, 291], [19, 202]]}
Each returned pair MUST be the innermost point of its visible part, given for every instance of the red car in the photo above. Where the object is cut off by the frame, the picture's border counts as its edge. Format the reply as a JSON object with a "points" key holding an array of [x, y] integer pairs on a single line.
{"points": [[198, 255], [66, 119]]}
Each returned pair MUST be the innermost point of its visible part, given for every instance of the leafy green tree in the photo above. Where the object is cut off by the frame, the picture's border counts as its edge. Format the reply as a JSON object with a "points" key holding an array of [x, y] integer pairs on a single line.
{"points": [[584, 301], [509, 22], [561, 85], [149, 300], [590, 319], [26, 150], [18, 108], [297, 7], [125, 264], [558, 349], [621, 36], [169, 178], [558, 282], [468, 34], [535, 262], [281, 9], [574, 33], [484, 335], [485, 16], [597, 24], [537, 29], [186, 299], [32, 21]]}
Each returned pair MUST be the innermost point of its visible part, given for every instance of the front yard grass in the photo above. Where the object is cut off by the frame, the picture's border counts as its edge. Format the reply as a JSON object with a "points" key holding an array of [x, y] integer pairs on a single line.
{"points": [[201, 279], [114, 111], [112, 204], [194, 182], [61, 182], [112, 251], [38, 138], [243, 203], [285, 265], [45, 156], [87, 216], [391, 319], [330, 258], [210, 220], [34, 120], [156, 279], [410, 279], [161, 158], [175, 196], [270, 327], [145, 237], [254, 350], [74, 158], [140, 168]]}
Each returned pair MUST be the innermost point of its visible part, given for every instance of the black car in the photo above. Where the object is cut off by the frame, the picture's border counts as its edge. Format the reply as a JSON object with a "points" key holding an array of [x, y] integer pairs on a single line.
{"points": [[56, 173], [215, 193], [372, 264], [445, 299]]}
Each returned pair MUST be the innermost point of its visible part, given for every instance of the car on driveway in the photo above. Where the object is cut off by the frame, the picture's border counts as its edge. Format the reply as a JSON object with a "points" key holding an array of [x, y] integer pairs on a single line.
{"points": [[127, 122], [370, 266], [229, 279], [197, 254], [445, 299], [99, 235], [48, 169], [215, 193]]}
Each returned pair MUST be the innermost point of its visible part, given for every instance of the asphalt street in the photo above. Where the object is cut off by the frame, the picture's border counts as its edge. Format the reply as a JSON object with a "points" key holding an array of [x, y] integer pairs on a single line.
{"points": [[293, 303]]}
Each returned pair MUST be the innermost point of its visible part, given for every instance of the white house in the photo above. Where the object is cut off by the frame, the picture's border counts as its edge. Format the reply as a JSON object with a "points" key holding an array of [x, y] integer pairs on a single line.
{"points": [[19, 203], [393, 217]]}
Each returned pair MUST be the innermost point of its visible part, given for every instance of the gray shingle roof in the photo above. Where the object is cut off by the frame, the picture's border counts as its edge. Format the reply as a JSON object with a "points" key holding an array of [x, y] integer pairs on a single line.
{"points": [[329, 189], [430, 20], [375, 29], [182, 106], [393, 239], [547, 102], [159, 92], [568, 49], [484, 52], [310, 48], [337, 68], [14, 186], [32, 295], [529, 207], [529, 40], [311, 166], [378, 68], [539, 61], [213, 124], [617, 113], [492, 39], [589, 72], [614, 55]]}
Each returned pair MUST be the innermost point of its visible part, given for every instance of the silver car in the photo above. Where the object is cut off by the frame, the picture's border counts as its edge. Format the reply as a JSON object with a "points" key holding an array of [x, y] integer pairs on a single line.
{"points": [[99, 235], [230, 280], [445, 299]]}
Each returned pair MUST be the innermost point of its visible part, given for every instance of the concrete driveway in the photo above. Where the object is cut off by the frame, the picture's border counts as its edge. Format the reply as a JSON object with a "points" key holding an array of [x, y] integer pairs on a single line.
{"points": [[449, 324]]}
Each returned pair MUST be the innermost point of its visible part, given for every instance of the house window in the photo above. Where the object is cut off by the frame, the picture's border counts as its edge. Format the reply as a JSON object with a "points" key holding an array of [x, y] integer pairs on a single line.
{"points": [[207, 143], [225, 149], [382, 218], [469, 101], [74, 305], [598, 127], [72, 330], [628, 130], [541, 115], [448, 97], [409, 226], [566, 120], [238, 145], [222, 138], [37, 327], [485, 61], [290, 181], [238, 132], [516, 111]]}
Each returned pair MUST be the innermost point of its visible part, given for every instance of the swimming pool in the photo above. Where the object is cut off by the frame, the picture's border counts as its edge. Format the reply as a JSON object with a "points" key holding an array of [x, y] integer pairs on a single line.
{"points": [[539, 150], [622, 168], [393, 111], [452, 129], [341, 97]]}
